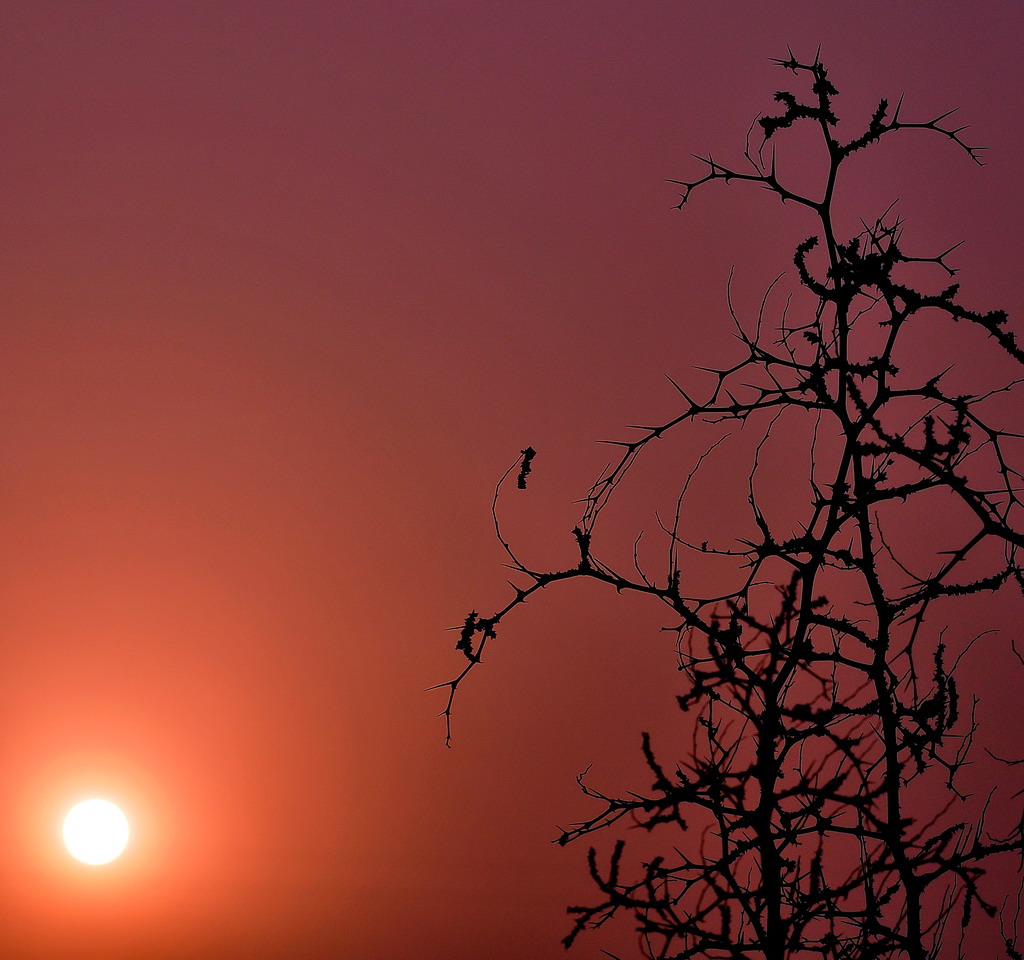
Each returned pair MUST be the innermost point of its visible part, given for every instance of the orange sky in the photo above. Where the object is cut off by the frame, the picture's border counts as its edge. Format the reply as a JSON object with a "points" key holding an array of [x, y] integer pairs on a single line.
{"points": [[286, 287]]}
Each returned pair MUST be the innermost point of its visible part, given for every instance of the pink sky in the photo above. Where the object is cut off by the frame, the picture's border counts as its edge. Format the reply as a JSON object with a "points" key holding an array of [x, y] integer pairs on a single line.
{"points": [[286, 288]]}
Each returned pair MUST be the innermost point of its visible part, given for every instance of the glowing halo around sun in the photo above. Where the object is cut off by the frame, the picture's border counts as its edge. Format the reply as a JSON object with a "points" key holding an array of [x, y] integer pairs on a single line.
{"points": [[95, 831]]}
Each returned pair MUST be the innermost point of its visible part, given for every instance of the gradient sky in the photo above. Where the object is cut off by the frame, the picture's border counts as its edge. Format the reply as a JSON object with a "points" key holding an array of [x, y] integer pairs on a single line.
{"points": [[286, 287]]}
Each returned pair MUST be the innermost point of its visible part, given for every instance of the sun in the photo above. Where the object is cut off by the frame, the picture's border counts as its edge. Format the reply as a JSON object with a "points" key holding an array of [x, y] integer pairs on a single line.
{"points": [[95, 831]]}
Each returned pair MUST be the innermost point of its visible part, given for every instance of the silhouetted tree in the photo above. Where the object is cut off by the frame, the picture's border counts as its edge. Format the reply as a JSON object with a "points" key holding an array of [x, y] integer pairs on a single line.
{"points": [[820, 787]]}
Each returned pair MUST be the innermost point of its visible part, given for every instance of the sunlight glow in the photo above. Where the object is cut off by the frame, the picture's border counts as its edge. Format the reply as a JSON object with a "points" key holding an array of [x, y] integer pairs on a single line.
{"points": [[95, 831]]}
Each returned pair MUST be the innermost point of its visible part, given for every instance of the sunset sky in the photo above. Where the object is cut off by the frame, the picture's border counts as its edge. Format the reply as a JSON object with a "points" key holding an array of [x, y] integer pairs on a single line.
{"points": [[286, 287]]}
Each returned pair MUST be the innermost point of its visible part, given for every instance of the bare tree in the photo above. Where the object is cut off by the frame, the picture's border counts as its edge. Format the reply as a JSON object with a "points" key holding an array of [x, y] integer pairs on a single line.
{"points": [[820, 790]]}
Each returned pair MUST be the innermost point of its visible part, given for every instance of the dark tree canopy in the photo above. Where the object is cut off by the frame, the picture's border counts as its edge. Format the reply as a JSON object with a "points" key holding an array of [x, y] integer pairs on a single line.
{"points": [[821, 679]]}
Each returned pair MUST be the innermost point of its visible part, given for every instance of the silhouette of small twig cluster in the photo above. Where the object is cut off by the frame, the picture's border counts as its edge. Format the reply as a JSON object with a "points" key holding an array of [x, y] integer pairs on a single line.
{"points": [[822, 714]]}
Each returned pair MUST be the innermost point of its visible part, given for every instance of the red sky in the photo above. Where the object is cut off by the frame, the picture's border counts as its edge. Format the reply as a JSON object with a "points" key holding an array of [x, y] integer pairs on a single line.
{"points": [[286, 287]]}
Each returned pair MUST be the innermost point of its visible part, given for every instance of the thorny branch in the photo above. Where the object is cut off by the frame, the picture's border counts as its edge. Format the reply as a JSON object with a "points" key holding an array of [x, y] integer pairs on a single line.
{"points": [[815, 717]]}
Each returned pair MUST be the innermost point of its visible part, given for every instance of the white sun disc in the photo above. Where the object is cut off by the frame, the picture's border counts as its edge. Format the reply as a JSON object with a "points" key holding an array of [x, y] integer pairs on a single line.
{"points": [[95, 831]]}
